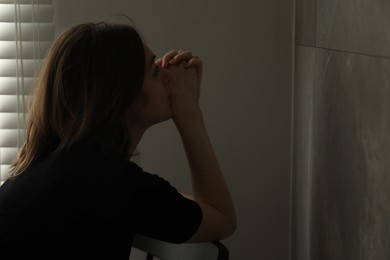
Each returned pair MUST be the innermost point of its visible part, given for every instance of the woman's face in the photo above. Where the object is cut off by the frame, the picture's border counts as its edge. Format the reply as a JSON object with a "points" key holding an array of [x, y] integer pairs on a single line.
{"points": [[153, 103]]}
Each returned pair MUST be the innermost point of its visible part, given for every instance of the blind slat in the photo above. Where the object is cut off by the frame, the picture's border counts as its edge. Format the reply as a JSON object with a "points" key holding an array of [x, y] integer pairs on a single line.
{"points": [[7, 155], [42, 12], [22, 2], [8, 67], [9, 85], [29, 32], [11, 104], [31, 50], [9, 120], [8, 103], [10, 137]]}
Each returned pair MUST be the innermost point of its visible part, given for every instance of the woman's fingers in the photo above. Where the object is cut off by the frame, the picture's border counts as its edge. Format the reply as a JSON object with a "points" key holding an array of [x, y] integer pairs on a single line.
{"points": [[164, 61], [194, 62], [174, 57], [182, 55], [197, 64], [159, 62]]}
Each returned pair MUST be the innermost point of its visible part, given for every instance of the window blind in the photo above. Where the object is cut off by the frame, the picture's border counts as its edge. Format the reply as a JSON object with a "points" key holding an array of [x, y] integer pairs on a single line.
{"points": [[26, 32]]}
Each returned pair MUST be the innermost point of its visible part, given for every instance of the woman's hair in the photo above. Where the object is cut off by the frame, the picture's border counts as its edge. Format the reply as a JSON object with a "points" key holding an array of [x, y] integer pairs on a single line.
{"points": [[89, 79]]}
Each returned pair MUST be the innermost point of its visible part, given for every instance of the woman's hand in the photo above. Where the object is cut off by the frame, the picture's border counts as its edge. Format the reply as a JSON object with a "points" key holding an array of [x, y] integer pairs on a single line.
{"points": [[185, 84], [174, 57]]}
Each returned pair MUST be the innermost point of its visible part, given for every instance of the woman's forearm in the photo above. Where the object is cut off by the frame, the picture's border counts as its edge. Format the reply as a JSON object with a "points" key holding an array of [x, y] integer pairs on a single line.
{"points": [[209, 185]]}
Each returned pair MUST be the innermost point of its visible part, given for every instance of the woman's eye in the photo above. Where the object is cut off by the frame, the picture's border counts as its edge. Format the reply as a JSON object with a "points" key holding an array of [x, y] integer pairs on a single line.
{"points": [[156, 70]]}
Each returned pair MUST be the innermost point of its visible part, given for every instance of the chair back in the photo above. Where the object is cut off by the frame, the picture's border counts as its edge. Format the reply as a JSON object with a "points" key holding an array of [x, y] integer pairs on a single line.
{"points": [[186, 251]]}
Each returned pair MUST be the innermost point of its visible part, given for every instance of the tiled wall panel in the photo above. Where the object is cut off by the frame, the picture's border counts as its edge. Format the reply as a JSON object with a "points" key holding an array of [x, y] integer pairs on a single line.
{"points": [[350, 175], [361, 26], [341, 167]]}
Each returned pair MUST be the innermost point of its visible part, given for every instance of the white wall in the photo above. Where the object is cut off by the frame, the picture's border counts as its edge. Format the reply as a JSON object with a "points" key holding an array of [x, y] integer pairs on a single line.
{"points": [[246, 98]]}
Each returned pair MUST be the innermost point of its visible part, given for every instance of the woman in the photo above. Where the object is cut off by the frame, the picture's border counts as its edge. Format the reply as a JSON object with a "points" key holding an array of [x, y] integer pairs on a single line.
{"points": [[73, 191]]}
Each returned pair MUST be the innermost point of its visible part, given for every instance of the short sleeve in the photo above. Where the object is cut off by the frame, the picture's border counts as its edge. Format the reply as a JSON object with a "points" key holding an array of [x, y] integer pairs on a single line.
{"points": [[151, 206]]}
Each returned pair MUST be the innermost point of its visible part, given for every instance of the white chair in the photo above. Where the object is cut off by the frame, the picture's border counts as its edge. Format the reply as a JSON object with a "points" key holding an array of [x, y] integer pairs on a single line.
{"points": [[187, 251]]}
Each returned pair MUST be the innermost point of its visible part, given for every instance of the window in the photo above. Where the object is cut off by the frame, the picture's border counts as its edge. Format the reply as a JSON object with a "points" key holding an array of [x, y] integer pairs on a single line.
{"points": [[26, 31]]}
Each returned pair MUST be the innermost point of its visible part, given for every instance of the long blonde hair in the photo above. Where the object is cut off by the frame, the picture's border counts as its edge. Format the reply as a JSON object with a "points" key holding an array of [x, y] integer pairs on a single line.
{"points": [[90, 77]]}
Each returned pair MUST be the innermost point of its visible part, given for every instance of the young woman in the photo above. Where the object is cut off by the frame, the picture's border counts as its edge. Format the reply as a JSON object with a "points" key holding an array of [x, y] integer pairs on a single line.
{"points": [[74, 192]]}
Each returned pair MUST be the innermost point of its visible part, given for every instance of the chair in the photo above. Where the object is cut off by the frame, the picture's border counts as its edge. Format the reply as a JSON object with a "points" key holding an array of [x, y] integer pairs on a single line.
{"points": [[187, 251]]}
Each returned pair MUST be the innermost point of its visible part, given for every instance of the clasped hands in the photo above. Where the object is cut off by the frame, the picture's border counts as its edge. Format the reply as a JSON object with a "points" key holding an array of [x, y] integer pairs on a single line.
{"points": [[184, 57], [184, 84]]}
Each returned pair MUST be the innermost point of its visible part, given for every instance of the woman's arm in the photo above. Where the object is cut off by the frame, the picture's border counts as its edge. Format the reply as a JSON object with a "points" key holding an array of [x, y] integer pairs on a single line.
{"points": [[210, 190]]}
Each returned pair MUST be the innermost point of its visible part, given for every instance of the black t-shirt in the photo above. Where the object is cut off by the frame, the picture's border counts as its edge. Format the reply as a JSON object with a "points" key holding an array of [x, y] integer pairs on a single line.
{"points": [[84, 204]]}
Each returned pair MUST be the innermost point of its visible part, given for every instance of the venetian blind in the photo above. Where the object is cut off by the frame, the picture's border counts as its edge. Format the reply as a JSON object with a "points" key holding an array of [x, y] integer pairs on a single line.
{"points": [[26, 31]]}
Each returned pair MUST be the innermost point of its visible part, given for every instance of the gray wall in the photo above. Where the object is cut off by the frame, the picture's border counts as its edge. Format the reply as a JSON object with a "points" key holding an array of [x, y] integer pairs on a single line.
{"points": [[247, 48], [341, 161]]}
